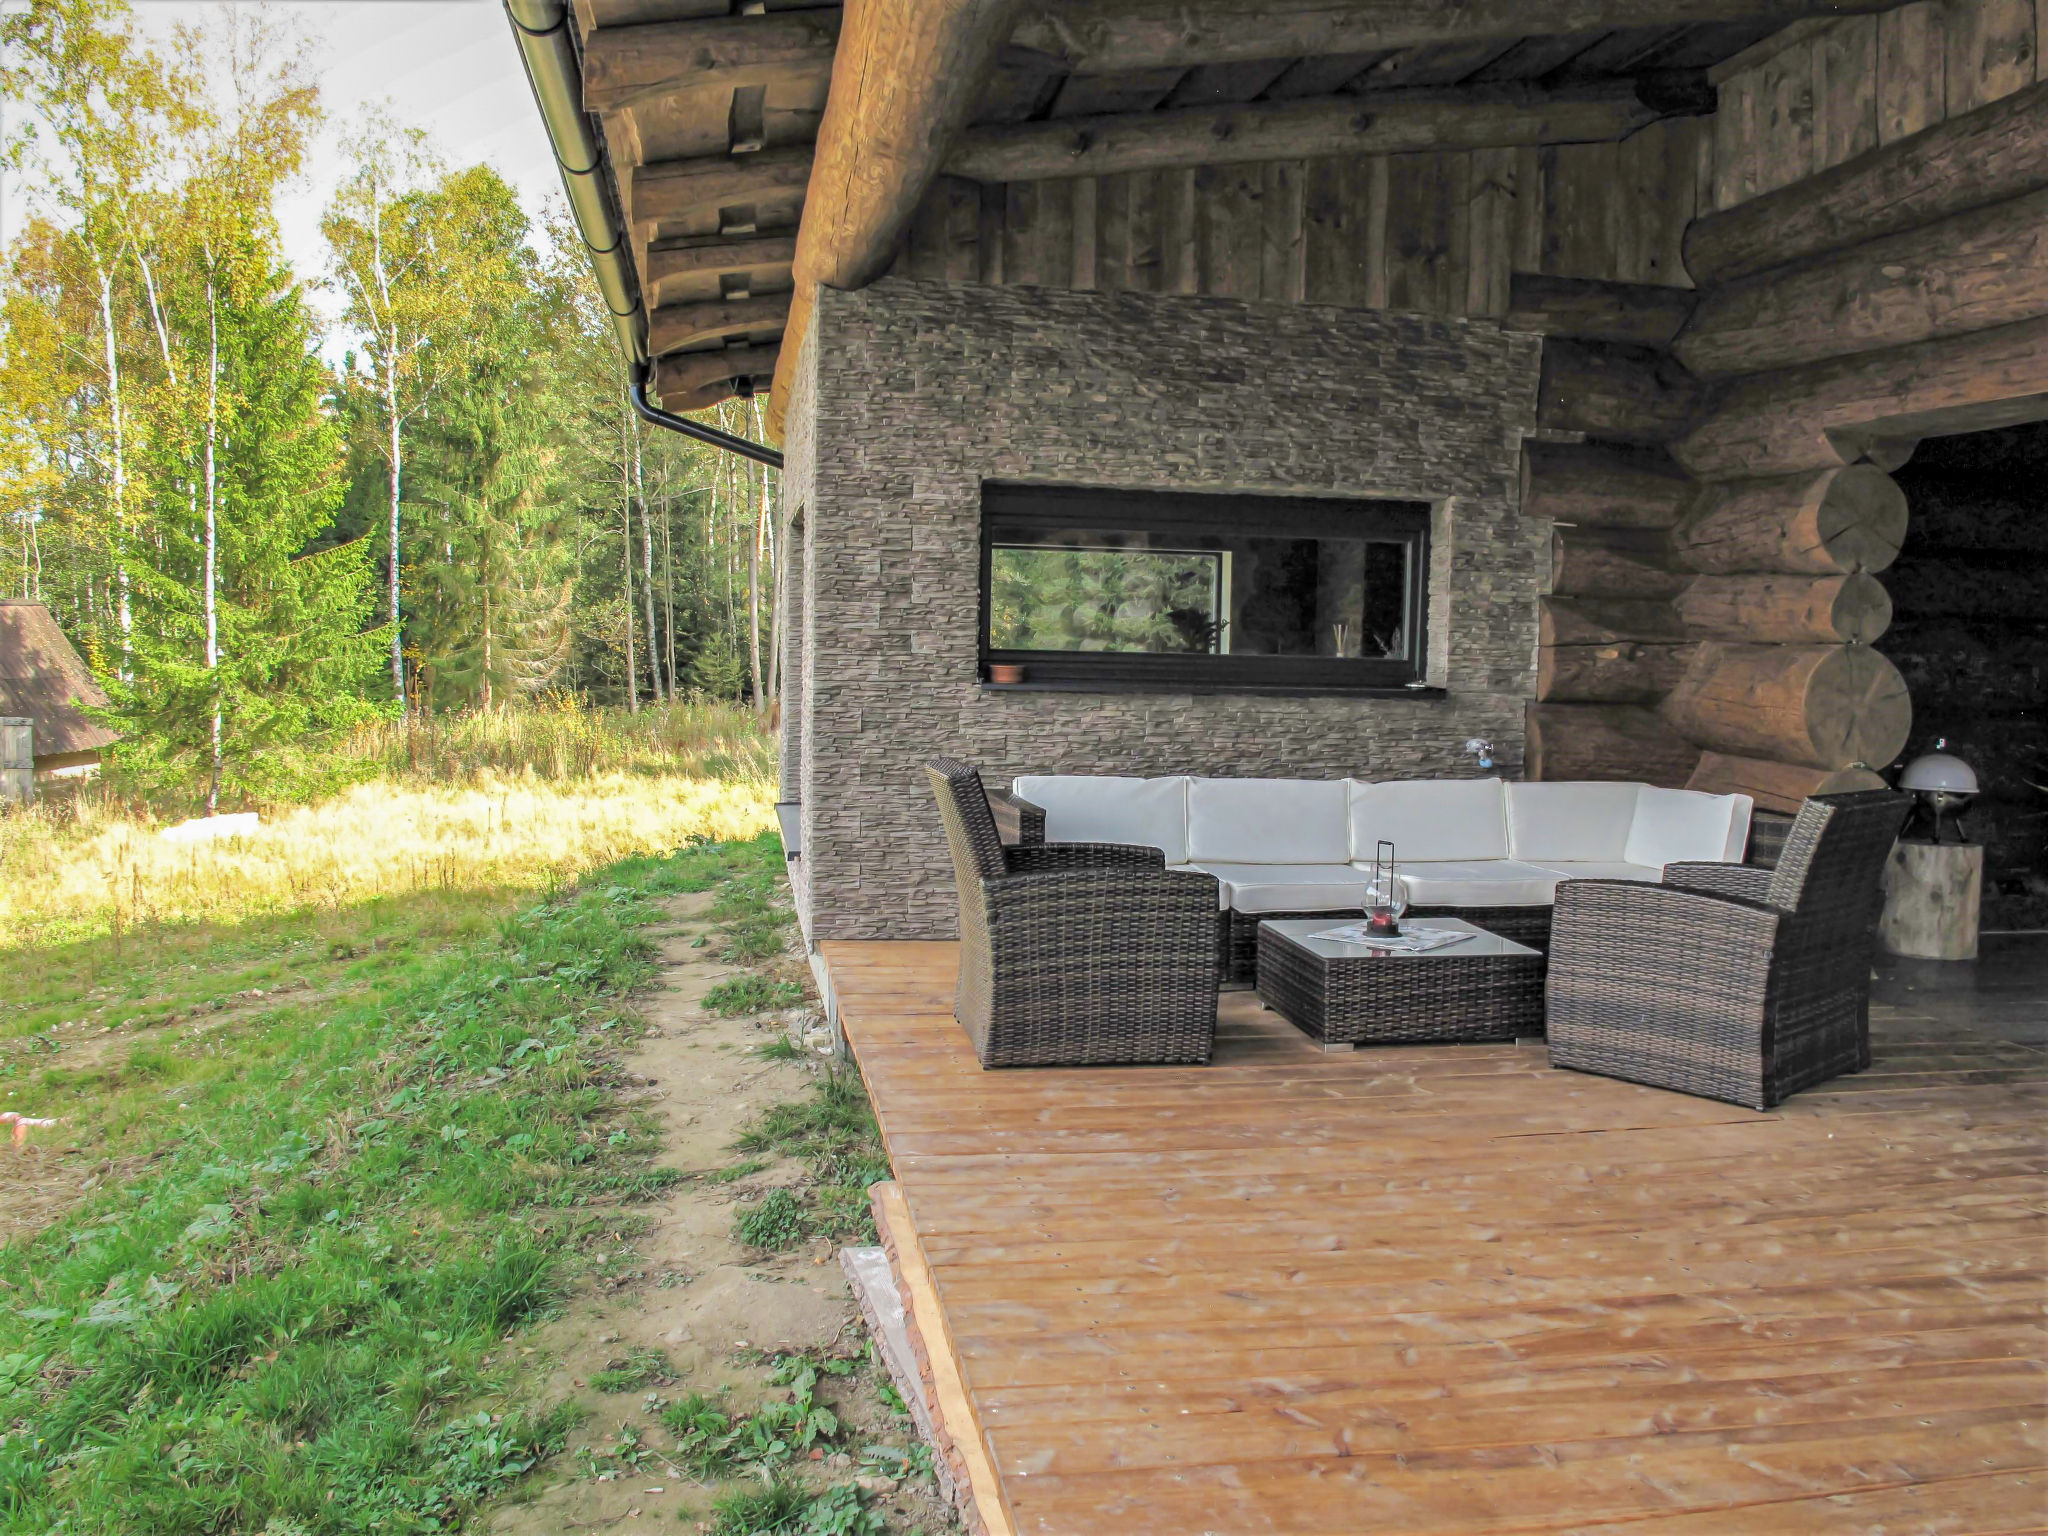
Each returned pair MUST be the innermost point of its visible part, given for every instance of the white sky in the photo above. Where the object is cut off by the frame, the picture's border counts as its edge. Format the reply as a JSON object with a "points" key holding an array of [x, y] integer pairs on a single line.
{"points": [[448, 66]]}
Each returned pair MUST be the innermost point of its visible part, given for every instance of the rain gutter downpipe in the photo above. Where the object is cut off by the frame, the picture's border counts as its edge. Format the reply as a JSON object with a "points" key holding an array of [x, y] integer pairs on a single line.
{"points": [[548, 50]]}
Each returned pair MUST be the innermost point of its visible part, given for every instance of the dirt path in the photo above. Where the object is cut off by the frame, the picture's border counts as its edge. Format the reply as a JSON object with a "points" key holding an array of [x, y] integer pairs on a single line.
{"points": [[686, 1291]]}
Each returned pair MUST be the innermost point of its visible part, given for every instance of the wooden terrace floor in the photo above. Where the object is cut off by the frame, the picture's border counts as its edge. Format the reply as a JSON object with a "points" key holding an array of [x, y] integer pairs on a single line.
{"points": [[1449, 1290]]}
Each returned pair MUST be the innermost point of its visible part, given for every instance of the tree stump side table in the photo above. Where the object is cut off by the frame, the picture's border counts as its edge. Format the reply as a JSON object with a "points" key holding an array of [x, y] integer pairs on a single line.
{"points": [[1932, 892]]}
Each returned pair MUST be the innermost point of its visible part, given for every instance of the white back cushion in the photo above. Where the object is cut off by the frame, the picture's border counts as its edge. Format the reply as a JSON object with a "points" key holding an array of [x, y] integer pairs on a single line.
{"points": [[1581, 822], [1430, 819], [1267, 821], [1151, 813], [1673, 826]]}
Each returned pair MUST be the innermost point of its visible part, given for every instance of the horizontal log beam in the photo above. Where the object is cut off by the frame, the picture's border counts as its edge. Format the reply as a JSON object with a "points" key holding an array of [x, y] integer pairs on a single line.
{"points": [[1612, 562], [1969, 272], [1827, 706], [1588, 309], [1573, 621], [1775, 786], [1091, 37], [1397, 122], [1605, 741], [624, 65], [1829, 610], [1996, 152], [1814, 417], [1623, 672], [690, 375], [767, 257], [665, 190], [1619, 394], [1821, 523], [908, 76], [676, 326], [1601, 485]]}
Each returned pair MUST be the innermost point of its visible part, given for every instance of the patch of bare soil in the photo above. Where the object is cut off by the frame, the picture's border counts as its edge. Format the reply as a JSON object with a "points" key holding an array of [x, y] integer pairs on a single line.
{"points": [[712, 1311], [48, 1174]]}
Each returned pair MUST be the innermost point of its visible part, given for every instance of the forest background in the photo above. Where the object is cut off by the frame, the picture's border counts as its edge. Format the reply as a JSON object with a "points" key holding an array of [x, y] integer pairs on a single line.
{"points": [[260, 551]]}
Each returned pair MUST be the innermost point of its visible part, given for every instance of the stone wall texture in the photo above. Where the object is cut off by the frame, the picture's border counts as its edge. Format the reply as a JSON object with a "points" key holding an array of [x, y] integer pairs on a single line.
{"points": [[911, 394]]}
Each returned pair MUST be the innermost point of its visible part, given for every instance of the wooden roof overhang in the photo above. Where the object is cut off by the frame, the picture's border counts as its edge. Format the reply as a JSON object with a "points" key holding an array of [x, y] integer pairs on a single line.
{"points": [[760, 147]]}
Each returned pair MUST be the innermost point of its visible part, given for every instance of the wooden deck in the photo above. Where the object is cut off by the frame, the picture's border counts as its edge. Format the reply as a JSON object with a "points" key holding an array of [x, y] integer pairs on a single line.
{"points": [[1449, 1290]]}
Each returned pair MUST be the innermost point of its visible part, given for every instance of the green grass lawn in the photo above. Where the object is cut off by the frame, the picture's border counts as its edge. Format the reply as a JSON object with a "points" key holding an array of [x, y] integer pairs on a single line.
{"points": [[332, 1205]]}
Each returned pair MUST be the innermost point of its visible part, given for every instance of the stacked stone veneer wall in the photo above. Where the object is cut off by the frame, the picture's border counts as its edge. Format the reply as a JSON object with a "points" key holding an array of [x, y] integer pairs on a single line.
{"points": [[911, 394]]}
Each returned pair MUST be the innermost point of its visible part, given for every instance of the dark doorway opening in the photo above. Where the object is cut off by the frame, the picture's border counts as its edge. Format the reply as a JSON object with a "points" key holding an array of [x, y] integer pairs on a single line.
{"points": [[1970, 634]]}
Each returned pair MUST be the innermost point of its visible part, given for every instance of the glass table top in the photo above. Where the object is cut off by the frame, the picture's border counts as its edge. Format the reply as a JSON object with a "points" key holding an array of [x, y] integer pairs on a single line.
{"points": [[1476, 943]]}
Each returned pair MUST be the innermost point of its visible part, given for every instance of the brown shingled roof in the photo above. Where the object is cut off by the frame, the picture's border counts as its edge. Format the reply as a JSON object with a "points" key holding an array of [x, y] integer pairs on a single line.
{"points": [[42, 677]]}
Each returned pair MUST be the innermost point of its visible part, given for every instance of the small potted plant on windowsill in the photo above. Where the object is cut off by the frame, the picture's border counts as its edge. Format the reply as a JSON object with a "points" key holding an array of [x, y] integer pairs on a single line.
{"points": [[1005, 672]]}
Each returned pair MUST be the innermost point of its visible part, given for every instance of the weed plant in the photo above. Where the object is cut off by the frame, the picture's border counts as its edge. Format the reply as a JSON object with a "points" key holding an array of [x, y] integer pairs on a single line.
{"points": [[752, 993], [786, 1509], [296, 1314]]}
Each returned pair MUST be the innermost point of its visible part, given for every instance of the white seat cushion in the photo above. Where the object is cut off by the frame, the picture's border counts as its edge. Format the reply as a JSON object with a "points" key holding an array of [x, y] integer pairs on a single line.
{"points": [[1649, 874], [1576, 822], [1147, 813], [1430, 820], [1477, 883], [1288, 887], [1673, 826], [1267, 821]]}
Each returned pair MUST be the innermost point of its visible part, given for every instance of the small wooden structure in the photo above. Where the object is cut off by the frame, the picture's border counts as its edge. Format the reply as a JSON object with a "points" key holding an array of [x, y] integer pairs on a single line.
{"points": [[45, 682]]}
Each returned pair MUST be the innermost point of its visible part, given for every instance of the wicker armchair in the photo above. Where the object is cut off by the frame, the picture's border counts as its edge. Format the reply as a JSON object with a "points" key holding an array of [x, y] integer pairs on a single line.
{"points": [[1075, 954], [1729, 981]]}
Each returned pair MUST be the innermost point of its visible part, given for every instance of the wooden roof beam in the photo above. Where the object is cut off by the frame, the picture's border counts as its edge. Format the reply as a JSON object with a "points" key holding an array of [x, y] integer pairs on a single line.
{"points": [[909, 75], [1108, 36], [691, 381], [667, 190], [675, 326], [1396, 122], [625, 65]]}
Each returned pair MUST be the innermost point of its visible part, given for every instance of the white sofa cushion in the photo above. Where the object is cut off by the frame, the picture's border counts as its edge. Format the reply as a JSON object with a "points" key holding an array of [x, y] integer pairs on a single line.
{"points": [[1673, 826], [1288, 887], [1477, 883], [1430, 820], [1576, 822], [1148, 813], [1267, 821], [1565, 869]]}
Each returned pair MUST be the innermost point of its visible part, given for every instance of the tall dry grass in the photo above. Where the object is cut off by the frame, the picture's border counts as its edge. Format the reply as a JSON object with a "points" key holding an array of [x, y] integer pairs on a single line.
{"points": [[510, 802]]}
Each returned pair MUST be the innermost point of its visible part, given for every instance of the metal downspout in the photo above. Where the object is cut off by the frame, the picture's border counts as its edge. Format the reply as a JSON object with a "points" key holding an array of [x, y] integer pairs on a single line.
{"points": [[547, 48]]}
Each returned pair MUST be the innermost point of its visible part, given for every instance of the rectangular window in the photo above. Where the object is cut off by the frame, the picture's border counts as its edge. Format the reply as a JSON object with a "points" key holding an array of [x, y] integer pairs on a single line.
{"points": [[1180, 589]]}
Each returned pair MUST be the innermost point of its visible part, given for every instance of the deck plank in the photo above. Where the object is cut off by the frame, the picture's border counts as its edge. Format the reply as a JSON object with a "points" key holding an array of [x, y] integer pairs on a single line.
{"points": [[1448, 1290]]}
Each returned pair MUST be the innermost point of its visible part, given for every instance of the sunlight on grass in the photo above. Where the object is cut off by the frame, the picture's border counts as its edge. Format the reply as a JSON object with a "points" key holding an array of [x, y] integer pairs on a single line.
{"points": [[372, 840]]}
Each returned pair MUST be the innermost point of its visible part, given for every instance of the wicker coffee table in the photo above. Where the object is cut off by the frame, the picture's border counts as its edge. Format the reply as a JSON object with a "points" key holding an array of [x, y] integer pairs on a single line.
{"points": [[1340, 995]]}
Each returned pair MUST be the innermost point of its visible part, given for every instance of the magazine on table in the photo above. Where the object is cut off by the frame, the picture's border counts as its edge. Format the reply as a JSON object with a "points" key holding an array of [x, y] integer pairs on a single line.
{"points": [[1413, 939]]}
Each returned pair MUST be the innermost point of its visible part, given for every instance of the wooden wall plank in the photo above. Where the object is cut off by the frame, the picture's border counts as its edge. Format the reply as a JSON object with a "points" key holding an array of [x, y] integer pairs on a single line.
{"points": [[1912, 54], [1177, 270], [1529, 197], [1020, 232], [1327, 256], [1735, 142], [1281, 255], [1427, 240], [1230, 230], [1990, 51], [1055, 233], [1113, 234], [1785, 118], [1086, 194], [1492, 225], [1845, 90], [1368, 182], [963, 229], [1144, 270], [992, 238]]}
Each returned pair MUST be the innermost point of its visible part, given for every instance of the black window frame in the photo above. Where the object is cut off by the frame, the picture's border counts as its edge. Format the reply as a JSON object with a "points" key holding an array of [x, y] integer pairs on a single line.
{"points": [[1010, 511]]}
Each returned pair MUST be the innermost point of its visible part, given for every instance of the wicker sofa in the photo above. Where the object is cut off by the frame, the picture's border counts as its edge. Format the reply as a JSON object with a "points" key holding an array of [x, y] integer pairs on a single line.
{"points": [[1740, 984], [1488, 851]]}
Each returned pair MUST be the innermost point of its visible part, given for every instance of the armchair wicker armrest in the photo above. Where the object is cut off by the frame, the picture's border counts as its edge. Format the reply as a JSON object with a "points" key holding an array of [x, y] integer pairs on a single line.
{"points": [[1041, 858], [1019, 823], [1741, 880], [1662, 985], [1097, 964]]}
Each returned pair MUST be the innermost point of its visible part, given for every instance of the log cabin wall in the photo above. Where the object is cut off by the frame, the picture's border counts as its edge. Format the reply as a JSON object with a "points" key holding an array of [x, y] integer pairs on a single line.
{"points": [[1427, 233]]}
